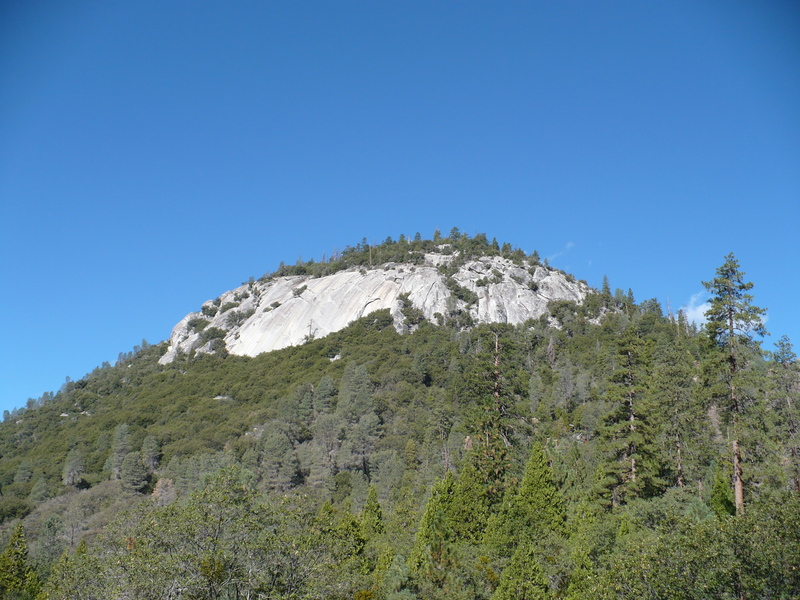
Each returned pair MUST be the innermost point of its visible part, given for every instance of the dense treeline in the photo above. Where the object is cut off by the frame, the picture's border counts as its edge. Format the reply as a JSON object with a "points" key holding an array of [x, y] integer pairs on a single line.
{"points": [[407, 251], [593, 453]]}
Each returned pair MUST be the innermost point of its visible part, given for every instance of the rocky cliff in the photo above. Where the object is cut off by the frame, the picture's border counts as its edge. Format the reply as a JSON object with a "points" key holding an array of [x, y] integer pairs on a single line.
{"points": [[277, 312]]}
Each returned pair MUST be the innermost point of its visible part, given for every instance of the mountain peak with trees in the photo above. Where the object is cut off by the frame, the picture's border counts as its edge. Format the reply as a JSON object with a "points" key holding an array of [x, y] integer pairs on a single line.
{"points": [[458, 281], [599, 449]]}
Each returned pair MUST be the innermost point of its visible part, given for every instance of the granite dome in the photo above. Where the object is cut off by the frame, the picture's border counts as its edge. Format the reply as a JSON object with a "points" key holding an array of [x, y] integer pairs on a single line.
{"points": [[276, 312]]}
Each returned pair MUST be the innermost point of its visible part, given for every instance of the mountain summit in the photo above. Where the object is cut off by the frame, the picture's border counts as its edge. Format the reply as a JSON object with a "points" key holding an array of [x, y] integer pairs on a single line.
{"points": [[443, 285]]}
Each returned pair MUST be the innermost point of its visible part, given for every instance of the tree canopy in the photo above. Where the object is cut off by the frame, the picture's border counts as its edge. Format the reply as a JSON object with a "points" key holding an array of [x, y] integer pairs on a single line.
{"points": [[604, 450]]}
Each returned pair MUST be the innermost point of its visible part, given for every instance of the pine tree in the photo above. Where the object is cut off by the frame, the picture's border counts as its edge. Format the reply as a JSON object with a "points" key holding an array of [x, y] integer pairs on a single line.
{"points": [[360, 441], [73, 468], [17, 578], [440, 565], [24, 473], [721, 500], [732, 320], [279, 462], [58, 584], [323, 394], [132, 473], [327, 429], [605, 292], [474, 500], [377, 555], [75, 576], [467, 502], [49, 545], [674, 403], [40, 491], [530, 511], [120, 446], [304, 402], [523, 579], [371, 515], [437, 507], [490, 455], [786, 403], [355, 395], [151, 453], [630, 469]]}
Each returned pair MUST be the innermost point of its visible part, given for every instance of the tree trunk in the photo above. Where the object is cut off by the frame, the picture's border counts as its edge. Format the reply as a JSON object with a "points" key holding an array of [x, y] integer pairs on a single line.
{"points": [[738, 485], [632, 426]]}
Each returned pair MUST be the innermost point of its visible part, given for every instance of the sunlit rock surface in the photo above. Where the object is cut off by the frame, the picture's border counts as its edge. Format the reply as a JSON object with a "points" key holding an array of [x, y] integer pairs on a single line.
{"points": [[288, 311]]}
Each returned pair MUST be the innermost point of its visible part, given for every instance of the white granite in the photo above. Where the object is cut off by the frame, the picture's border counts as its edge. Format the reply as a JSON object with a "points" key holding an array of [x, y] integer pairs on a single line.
{"points": [[328, 304]]}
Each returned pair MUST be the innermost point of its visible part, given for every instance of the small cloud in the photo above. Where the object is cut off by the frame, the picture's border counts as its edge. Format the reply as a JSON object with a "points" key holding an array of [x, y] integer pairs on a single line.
{"points": [[567, 248], [696, 309]]}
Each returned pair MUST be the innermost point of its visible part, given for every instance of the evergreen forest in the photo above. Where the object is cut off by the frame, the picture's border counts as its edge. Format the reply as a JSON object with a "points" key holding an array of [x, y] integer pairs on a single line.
{"points": [[607, 450]]}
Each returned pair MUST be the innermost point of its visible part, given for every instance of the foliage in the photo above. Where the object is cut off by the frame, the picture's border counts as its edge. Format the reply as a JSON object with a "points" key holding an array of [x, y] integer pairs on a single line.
{"points": [[585, 454], [631, 468], [530, 511], [523, 579], [17, 578], [411, 252], [73, 468], [732, 319], [198, 324]]}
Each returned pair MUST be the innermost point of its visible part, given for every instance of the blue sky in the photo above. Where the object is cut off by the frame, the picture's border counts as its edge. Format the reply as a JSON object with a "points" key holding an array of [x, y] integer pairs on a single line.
{"points": [[155, 154]]}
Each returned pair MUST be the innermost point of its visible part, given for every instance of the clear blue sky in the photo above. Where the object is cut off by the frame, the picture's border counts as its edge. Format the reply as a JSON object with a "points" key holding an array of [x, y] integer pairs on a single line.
{"points": [[155, 154]]}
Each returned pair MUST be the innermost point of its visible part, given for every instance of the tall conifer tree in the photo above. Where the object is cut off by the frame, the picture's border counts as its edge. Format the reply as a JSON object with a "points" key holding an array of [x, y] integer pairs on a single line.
{"points": [[732, 321], [675, 404], [631, 468], [490, 452], [786, 403], [531, 511], [428, 539]]}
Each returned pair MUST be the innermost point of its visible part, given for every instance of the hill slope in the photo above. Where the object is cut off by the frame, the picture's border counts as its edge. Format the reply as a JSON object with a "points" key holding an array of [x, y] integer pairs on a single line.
{"points": [[583, 453]]}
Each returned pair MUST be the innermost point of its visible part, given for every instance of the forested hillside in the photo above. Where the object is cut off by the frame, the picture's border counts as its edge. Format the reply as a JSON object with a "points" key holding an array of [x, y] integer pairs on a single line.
{"points": [[604, 450]]}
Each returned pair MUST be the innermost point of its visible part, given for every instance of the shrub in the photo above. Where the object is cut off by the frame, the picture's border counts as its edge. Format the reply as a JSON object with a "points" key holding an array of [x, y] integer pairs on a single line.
{"points": [[412, 315], [237, 317], [460, 292], [13, 508], [211, 333], [198, 323]]}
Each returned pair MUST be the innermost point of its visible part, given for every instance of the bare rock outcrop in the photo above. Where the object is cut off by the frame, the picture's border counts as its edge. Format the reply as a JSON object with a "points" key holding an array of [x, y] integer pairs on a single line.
{"points": [[286, 311]]}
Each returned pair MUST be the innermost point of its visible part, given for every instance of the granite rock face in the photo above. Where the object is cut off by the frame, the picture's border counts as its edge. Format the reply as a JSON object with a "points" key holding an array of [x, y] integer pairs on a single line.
{"points": [[287, 311]]}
